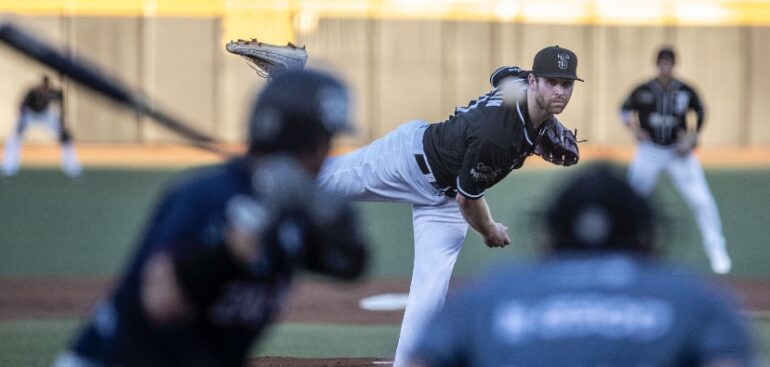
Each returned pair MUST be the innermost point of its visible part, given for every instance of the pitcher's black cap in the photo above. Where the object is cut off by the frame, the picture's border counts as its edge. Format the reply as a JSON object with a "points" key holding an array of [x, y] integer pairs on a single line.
{"points": [[556, 62]]}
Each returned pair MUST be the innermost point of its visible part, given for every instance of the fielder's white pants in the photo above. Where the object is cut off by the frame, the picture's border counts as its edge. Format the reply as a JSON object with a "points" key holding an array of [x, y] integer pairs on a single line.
{"points": [[14, 143], [386, 170], [687, 176]]}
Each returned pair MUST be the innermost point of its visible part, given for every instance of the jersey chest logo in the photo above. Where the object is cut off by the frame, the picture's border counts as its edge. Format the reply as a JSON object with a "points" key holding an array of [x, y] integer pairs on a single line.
{"points": [[681, 102], [484, 173]]}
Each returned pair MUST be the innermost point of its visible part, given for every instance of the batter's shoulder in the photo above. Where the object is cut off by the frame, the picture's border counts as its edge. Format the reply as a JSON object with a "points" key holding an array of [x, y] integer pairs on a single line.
{"points": [[214, 181]]}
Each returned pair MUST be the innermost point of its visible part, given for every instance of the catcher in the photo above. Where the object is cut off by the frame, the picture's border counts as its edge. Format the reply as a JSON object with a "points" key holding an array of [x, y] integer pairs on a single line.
{"points": [[444, 169], [598, 297]]}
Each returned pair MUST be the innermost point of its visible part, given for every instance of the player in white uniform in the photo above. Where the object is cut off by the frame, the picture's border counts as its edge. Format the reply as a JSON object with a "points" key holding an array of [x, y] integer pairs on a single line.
{"points": [[37, 108], [661, 107], [444, 169]]}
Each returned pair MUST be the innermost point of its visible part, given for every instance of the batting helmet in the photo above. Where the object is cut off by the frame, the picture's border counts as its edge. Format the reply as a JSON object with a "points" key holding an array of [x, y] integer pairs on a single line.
{"points": [[598, 210], [298, 110]]}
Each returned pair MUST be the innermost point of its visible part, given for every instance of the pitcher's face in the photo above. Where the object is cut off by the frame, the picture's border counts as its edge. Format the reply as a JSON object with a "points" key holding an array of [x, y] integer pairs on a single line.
{"points": [[552, 94]]}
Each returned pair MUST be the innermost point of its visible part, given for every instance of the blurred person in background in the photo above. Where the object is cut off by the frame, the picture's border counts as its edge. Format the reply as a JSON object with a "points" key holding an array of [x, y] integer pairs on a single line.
{"points": [[597, 297], [656, 113], [218, 257], [43, 104]]}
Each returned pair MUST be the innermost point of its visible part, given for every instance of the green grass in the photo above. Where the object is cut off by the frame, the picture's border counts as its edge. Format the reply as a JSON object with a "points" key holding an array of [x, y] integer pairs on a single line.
{"points": [[33, 343], [743, 197], [52, 226], [329, 341]]}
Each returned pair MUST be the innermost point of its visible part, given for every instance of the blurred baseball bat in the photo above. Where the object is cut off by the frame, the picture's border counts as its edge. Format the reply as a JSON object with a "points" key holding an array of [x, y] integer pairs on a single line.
{"points": [[88, 75]]}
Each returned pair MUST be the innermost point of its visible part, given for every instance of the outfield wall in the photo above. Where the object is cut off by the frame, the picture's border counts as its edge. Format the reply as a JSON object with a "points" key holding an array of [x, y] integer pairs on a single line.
{"points": [[400, 69]]}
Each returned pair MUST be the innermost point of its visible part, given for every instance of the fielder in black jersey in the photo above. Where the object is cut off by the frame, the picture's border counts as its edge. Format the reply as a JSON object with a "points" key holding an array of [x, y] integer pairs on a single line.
{"points": [[662, 105], [42, 104], [219, 254], [656, 112]]}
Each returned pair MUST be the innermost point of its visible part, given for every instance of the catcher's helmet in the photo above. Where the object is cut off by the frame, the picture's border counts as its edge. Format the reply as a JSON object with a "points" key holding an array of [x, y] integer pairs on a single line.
{"points": [[598, 210], [298, 110]]}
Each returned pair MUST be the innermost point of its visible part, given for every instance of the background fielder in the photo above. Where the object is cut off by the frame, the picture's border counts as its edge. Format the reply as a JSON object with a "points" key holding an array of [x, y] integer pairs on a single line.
{"points": [[665, 144], [39, 106]]}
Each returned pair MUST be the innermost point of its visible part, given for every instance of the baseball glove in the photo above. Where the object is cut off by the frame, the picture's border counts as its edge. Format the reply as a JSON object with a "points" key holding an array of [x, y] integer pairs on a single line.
{"points": [[557, 144], [269, 59], [686, 142]]}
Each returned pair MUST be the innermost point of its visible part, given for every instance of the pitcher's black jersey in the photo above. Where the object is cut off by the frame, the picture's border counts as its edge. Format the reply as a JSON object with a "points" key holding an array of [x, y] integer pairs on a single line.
{"points": [[662, 111], [479, 145]]}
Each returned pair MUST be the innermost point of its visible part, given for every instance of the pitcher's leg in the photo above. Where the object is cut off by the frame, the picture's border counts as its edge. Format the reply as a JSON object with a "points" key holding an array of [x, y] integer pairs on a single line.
{"points": [[380, 171], [439, 232], [689, 179]]}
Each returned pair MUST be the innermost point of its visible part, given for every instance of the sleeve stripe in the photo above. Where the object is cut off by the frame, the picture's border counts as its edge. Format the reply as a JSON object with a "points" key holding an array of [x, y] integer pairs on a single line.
{"points": [[521, 116], [471, 196]]}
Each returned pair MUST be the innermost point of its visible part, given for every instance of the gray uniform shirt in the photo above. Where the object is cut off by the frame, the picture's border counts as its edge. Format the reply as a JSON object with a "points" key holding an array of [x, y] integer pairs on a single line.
{"points": [[586, 310]]}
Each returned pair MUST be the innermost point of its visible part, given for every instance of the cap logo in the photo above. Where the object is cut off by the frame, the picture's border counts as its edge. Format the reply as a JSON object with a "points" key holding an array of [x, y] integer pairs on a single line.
{"points": [[563, 61]]}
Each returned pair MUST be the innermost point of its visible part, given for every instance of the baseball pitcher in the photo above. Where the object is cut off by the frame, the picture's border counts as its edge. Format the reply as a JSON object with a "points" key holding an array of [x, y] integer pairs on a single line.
{"points": [[444, 169]]}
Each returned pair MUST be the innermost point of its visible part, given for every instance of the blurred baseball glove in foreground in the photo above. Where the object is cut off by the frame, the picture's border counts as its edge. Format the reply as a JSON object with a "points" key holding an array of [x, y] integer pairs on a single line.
{"points": [[269, 59], [557, 144]]}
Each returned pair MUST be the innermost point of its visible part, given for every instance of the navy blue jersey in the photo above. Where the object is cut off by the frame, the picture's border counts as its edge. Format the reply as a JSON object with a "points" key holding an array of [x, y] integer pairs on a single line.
{"points": [[479, 145], [586, 310], [662, 111], [191, 215]]}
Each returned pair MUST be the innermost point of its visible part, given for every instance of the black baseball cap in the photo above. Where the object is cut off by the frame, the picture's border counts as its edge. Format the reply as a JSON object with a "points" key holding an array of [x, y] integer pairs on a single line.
{"points": [[297, 110], [556, 62]]}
